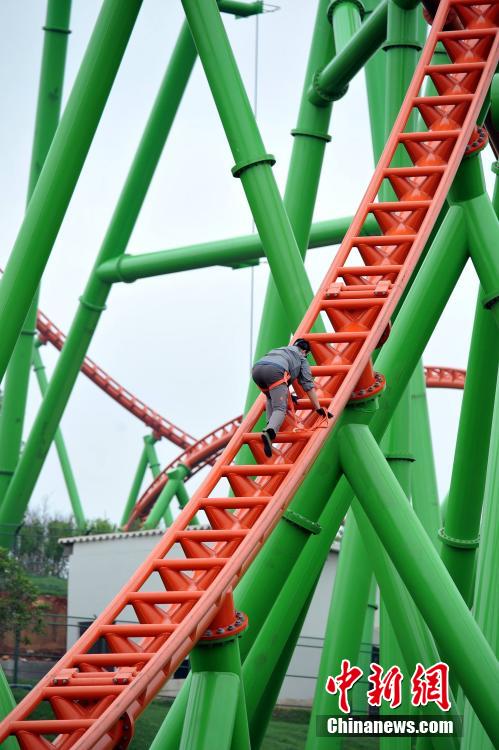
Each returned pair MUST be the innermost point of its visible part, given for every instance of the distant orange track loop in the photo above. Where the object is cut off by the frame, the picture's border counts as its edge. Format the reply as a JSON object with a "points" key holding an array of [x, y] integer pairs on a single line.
{"points": [[444, 377], [177, 591], [161, 426]]}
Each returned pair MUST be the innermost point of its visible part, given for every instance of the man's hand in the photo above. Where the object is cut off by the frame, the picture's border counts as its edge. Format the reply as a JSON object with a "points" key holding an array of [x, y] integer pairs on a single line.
{"points": [[323, 413]]}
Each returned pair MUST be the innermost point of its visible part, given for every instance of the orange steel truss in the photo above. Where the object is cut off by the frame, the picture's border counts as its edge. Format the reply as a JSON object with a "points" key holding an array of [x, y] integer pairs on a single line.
{"points": [[96, 697]]}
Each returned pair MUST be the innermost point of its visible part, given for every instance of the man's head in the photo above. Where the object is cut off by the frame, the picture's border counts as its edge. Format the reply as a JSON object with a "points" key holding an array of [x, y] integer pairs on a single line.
{"points": [[303, 346]]}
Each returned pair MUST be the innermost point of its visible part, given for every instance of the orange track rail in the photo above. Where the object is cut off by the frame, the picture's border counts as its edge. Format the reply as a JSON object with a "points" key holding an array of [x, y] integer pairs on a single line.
{"points": [[209, 448], [161, 426], [94, 707]]}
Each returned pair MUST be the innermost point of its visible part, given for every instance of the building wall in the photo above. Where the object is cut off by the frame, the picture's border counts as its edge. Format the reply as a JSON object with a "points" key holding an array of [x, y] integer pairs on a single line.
{"points": [[100, 566]]}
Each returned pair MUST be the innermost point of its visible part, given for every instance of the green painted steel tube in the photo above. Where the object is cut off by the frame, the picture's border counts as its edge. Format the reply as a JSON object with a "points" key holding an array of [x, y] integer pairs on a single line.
{"points": [[221, 656], [483, 230], [231, 252], [67, 471], [211, 711], [486, 606], [413, 636], [259, 715], [331, 82], [462, 518], [345, 623], [422, 571], [424, 491], [92, 303], [253, 163], [62, 167], [365, 657], [240, 9], [162, 503], [136, 485], [56, 31], [7, 703], [424, 303], [152, 455]]}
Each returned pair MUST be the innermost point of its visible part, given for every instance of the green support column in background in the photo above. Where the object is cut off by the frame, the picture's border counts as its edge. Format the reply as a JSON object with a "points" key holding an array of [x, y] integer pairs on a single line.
{"points": [[136, 484], [486, 604], [56, 31], [62, 453], [93, 300]]}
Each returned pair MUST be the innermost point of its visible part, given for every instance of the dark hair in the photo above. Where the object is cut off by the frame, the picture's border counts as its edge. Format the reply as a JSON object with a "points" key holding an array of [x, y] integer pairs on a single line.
{"points": [[302, 344]]}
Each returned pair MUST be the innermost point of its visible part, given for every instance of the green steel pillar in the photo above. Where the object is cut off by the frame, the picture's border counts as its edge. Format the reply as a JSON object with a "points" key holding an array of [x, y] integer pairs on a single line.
{"points": [[419, 566], [359, 697], [56, 31], [486, 604], [345, 623], [155, 467], [93, 301], [424, 491], [7, 703], [483, 231], [136, 484], [67, 471], [62, 167], [462, 519], [253, 164]]}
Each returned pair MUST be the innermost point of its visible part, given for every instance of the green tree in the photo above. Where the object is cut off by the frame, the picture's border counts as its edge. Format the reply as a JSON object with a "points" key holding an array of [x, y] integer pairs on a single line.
{"points": [[20, 608]]}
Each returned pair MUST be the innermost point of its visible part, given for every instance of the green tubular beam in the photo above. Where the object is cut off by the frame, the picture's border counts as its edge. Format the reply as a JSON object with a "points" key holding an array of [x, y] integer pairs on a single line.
{"points": [[259, 715], [56, 31], [240, 9], [92, 303], [253, 163], [67, 471], [162, 503], [62, 167], [486, 606], [412, 634], [232, 252], [332, 81], [216, 657], [483, 230], [344, 627], [211, 711], [422, 571], [424, 490], [136, 484], [155, 466], [462, 519], [424, 303], [359, 697], [7, 703]]}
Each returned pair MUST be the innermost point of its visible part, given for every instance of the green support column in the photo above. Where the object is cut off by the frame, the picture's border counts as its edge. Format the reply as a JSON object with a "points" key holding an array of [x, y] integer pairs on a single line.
{"points": [[67, 471], [253, 164], [175, 478], [424, 491], [62, 168], [234, 252], [155, 466], [268, 586], [211, 711], [345, 623], [359, 697], [93, 301], [56, 31], [136, 485], [422, 571], [483, 231], [462, 519], [486, 606], [7, 703]]}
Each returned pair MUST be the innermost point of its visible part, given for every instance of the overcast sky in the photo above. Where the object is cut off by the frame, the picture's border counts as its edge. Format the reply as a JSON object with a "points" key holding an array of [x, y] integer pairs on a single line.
{"points": [[182, 342]]}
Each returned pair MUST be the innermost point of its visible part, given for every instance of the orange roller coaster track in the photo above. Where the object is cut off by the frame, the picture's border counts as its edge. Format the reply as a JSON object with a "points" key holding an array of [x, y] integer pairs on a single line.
{"points": [[95, 708]]}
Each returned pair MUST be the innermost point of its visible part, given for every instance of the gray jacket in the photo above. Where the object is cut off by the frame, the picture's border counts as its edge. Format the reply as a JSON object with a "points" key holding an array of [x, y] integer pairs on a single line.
{"points": [[289, 359]]}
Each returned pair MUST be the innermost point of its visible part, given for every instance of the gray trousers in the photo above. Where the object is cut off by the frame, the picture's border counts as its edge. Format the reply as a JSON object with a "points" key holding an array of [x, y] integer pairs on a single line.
{"points": [[277, 398]]}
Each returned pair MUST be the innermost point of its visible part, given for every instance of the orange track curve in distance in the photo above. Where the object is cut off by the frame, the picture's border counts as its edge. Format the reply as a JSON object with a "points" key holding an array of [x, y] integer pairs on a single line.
{"points": [[95, 698], [162, 427], [206, 450]]}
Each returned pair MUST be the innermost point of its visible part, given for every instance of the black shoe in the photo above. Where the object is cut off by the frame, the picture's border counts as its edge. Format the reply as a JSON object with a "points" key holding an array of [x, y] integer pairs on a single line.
{"points": [[267, 436]]}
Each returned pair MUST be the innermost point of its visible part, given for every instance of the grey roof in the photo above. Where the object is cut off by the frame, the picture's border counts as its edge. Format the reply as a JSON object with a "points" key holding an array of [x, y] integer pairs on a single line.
{"points": [[119, 535]]}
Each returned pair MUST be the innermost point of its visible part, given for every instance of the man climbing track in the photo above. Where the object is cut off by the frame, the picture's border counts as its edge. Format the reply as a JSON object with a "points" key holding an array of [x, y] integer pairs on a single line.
{"points": [[273, 374]]}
